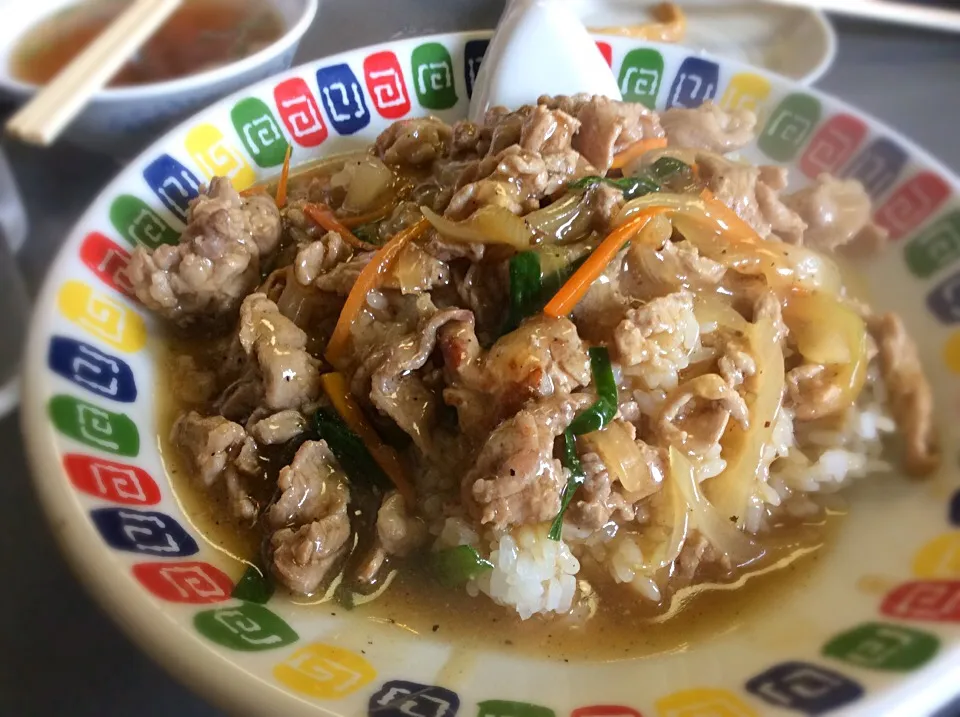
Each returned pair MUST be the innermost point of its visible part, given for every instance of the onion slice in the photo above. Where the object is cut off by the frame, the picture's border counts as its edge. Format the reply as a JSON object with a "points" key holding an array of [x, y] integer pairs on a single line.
{"points": [[712, 524], [488, 225]]}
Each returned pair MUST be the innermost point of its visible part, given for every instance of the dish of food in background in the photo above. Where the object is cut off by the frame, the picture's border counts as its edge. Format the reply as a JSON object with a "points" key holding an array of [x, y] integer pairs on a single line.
{"points": [[200, 36], [138, 543], [794, 42], [121, 119]]}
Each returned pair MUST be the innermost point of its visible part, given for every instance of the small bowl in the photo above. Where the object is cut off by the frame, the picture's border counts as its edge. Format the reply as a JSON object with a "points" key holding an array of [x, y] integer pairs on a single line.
{"points": [[120, 120]]}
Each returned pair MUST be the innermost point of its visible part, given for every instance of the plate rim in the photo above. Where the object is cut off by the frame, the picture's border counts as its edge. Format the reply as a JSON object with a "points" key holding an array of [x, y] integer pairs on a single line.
{"points": [[188, 659]]}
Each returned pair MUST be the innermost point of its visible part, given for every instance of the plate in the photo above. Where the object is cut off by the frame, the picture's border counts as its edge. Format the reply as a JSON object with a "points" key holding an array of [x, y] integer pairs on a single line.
{"points": [[872, 625], [795, 42]]}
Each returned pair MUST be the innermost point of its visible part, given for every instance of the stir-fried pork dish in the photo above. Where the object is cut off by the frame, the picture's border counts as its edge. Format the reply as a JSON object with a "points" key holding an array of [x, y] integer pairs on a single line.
{"points": [[578, 345]]}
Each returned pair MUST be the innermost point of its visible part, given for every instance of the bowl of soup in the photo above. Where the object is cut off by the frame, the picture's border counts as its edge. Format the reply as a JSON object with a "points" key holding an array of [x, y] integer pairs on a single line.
{"points": [[207, 49], [342, 404]]}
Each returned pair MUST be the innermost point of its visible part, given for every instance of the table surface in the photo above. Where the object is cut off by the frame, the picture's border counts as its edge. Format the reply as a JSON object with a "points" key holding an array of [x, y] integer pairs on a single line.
{"points": [[59, 654]]}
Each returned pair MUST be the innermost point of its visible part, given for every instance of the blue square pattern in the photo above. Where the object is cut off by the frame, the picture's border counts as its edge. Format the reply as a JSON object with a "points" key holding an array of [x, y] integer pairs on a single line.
{"points": [[695, 83], [92, 369], [143, 532], [399, 698], [343, 99], [804, 687], [174, 184]]}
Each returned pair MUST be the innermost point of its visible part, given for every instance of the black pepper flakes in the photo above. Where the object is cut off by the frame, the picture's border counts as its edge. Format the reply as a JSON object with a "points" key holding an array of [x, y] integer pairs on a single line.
{"points": [[436, 627]]}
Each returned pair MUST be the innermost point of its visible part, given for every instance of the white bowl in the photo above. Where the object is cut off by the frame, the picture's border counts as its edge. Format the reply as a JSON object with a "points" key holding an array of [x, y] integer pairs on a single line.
{"points": [[121, 120], [869, 627]]}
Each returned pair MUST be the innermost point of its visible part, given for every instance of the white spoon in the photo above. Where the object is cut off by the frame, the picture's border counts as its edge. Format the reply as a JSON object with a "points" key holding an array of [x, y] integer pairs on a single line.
{"points": [[540, 47]]}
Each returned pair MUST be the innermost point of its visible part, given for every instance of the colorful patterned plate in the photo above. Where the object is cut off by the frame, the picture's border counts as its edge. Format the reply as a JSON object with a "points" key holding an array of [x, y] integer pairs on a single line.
{"points": [[874, 625]]}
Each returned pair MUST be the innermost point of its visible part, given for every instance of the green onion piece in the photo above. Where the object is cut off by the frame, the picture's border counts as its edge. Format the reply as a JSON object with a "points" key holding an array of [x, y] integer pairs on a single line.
{"points": [[674, 176], [456, 566], [665, 167], [632, 187], [369, 233], [605, 408], [594, 418], [665, 173], [524, 288], [577, 476], [254, 586], [530, 289], [349, 449]]}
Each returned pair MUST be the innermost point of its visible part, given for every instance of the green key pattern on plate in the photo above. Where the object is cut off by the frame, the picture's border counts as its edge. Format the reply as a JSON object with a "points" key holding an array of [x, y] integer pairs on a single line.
{"points": [[790, 126], [139, 224], [260, 132], [104, 430], [936, 247], [247, 627], [641, 76], [433, 76], [882, 646]]}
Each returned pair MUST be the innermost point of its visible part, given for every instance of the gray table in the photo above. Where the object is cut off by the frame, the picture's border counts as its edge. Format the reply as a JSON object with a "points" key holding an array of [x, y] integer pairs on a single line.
{"points": [[59, 655]]}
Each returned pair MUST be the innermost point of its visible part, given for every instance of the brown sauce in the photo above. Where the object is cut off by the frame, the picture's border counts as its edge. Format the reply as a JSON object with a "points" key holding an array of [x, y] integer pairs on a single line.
{"points": [[623, 626], [201, 35]]}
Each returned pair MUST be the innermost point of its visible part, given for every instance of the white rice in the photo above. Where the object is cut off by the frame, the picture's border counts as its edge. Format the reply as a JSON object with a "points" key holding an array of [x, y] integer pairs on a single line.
{"points": [[534, 575], [531, 573]]}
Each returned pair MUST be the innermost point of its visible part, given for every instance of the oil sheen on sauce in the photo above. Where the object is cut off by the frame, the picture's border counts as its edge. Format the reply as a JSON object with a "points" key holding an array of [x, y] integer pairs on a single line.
{"points": [[622, 626]]}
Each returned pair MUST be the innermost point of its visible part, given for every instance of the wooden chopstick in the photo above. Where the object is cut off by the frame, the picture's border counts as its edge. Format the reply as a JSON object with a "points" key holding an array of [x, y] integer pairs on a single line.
{"points": [[933, 18], [42, 119]]}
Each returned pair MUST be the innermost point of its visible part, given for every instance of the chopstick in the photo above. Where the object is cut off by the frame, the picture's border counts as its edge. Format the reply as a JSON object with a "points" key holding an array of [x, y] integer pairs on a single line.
{"points": [[42, 119], [932, 18]]}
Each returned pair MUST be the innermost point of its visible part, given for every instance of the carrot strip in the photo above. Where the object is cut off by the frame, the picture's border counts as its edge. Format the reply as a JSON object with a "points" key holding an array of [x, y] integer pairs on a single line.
{"points": [[374, 215], [577, 285], [323, 215], [637, 149], [335, 386], [284, 178], [369, 279], [250, 191]]}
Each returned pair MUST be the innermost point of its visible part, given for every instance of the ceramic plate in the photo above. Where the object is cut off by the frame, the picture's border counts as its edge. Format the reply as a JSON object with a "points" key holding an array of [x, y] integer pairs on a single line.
{"points": [[795, 42], [871, 625]]}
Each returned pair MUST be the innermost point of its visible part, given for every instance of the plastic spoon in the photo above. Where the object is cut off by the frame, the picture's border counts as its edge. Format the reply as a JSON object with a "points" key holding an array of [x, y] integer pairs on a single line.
{"points": [[539, 47]]}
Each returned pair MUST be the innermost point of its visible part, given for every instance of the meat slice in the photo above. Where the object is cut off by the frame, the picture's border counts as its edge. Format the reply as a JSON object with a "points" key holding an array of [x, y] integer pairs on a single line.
{"points": [[710, 128], [836, 212], [396, 389], [217, 449], [516, 480], [813, 392], [606, 126], [695, 414], [309, 519], [289, 376], [413, 142], [605, 303], [656, 340], [319, 257], [515, 179], [207, 443], [754, 194], [544, 357], [546, 131], [279, 428], [399, 532], [910, 396], [601, 498], [217, 261], [652, 271]]}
